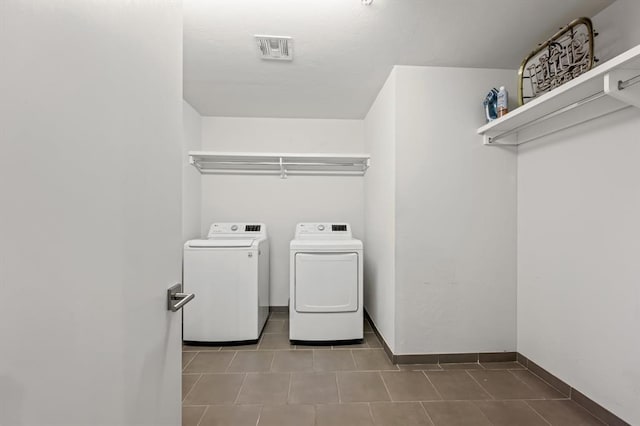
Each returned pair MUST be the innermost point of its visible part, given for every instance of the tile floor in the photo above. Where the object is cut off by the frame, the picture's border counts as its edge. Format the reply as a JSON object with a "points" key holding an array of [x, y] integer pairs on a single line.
{"points": [[275, 383]]}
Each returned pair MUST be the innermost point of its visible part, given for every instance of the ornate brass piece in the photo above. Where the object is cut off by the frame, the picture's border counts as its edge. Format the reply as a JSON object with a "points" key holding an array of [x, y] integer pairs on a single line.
{"points": [[566, 55]]}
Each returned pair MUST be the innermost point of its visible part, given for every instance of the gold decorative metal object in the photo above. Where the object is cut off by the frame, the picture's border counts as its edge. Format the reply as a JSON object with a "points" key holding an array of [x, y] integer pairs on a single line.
{"points": [[565, 56]]}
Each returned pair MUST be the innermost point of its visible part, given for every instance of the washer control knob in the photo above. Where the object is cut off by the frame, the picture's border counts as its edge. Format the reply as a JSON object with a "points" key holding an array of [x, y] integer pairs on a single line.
{"points": [[234, 227], [320, 227]]}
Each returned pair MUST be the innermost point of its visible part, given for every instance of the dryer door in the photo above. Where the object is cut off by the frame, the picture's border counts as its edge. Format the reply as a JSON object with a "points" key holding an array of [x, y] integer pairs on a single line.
{"points": [[326, 282]]}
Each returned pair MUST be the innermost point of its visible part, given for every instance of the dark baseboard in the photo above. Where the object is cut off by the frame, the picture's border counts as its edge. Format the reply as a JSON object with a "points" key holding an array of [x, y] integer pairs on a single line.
{"points": [[468, 357], [441, 358], [284, 309], [597, 410], [564, 388], [385, 346]]}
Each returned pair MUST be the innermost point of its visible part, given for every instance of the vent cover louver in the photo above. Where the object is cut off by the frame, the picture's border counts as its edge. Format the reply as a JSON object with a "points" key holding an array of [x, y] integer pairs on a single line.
{"points": [[277, 48]]}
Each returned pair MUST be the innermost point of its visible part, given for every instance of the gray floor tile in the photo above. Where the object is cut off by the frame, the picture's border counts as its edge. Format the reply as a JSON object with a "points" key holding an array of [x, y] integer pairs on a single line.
{"points": [[209, 362], [274, 326], [456, 385], [343, 415], [231, 415], [540, 387], [502, 365], [279, 316], [361, 387], [509, 413], [334, 360], [372, 359], [215, 389], [243, 347], [502, 384], [314, 347], [313, 388], [563, 413], [275, 341], [372, 340], [287, 415], [461, 366], [187, 357], [188, 380], [289, 361], [409, 386], [399, 414], [264, 388], [456, 413], [352, 345], [420, 367], [191, 415], [251, 361]]}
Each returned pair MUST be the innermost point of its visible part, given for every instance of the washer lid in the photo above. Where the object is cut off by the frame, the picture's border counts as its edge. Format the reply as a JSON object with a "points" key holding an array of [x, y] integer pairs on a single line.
{"points": [[232, 242]]}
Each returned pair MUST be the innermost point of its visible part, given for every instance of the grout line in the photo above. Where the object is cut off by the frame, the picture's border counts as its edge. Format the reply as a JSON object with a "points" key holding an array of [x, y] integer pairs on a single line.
{"points": [[192, 386], [373, 419], [432, 385], [536, 411], [354, 360], [385, 386], [259, 414], [315, 414], [481, 387], [427, 413], [338, 387], [289, 390], [273, 359], [190, 361], [244, 379], [226, 370], [202, 415], [475, 403], [522, 381], [553, 387]]}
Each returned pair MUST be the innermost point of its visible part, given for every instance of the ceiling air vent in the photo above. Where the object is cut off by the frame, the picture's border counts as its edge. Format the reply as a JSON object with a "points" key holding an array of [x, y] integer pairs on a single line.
{"points": [[275, 47]]}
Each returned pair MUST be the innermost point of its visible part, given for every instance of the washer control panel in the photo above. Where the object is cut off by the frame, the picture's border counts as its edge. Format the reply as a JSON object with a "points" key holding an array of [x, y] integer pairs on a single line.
{"points": [[218, 230]]}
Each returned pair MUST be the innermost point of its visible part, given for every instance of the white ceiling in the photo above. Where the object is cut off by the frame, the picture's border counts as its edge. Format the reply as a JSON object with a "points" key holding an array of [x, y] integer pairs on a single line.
{"points": [[343, 51]]}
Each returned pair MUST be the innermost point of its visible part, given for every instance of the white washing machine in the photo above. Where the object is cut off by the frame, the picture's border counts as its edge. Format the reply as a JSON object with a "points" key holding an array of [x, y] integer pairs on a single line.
{"points": [[229, 272], [326, 295]]}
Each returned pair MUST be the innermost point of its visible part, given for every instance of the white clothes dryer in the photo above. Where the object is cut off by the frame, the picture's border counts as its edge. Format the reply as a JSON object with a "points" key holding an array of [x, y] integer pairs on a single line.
{"points": [[229, 272], [326, 285]]}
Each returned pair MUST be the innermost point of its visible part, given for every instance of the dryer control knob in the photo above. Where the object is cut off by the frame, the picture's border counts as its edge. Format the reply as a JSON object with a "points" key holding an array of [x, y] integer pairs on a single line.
{"points": [[234, 227], [320, 227]]}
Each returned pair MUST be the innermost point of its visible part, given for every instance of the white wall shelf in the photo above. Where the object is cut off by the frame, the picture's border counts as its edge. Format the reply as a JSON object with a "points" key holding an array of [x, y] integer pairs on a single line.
{"points": [[283, 164], [607, 88]]}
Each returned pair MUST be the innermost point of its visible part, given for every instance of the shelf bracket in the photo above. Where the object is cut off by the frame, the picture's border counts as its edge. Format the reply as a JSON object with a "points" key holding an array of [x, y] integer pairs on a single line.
{"points": [[616, 85], [508, 138]]}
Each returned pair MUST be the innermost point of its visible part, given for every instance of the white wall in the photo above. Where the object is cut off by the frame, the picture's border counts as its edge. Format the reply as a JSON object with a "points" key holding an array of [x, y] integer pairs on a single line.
{"points": [[90, 212], [618, 28], [380, 212], [578, 245], [282, 203], [191, 179], [455, 216]]}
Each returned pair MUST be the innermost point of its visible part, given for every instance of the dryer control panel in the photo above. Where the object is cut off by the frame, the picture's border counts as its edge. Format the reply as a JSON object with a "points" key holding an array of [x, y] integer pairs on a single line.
{"points": [[229, 229], [324, 230]]}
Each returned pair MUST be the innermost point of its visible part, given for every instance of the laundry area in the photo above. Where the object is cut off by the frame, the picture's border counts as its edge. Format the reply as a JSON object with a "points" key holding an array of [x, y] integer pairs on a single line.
{"points": [[320, 213]]}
